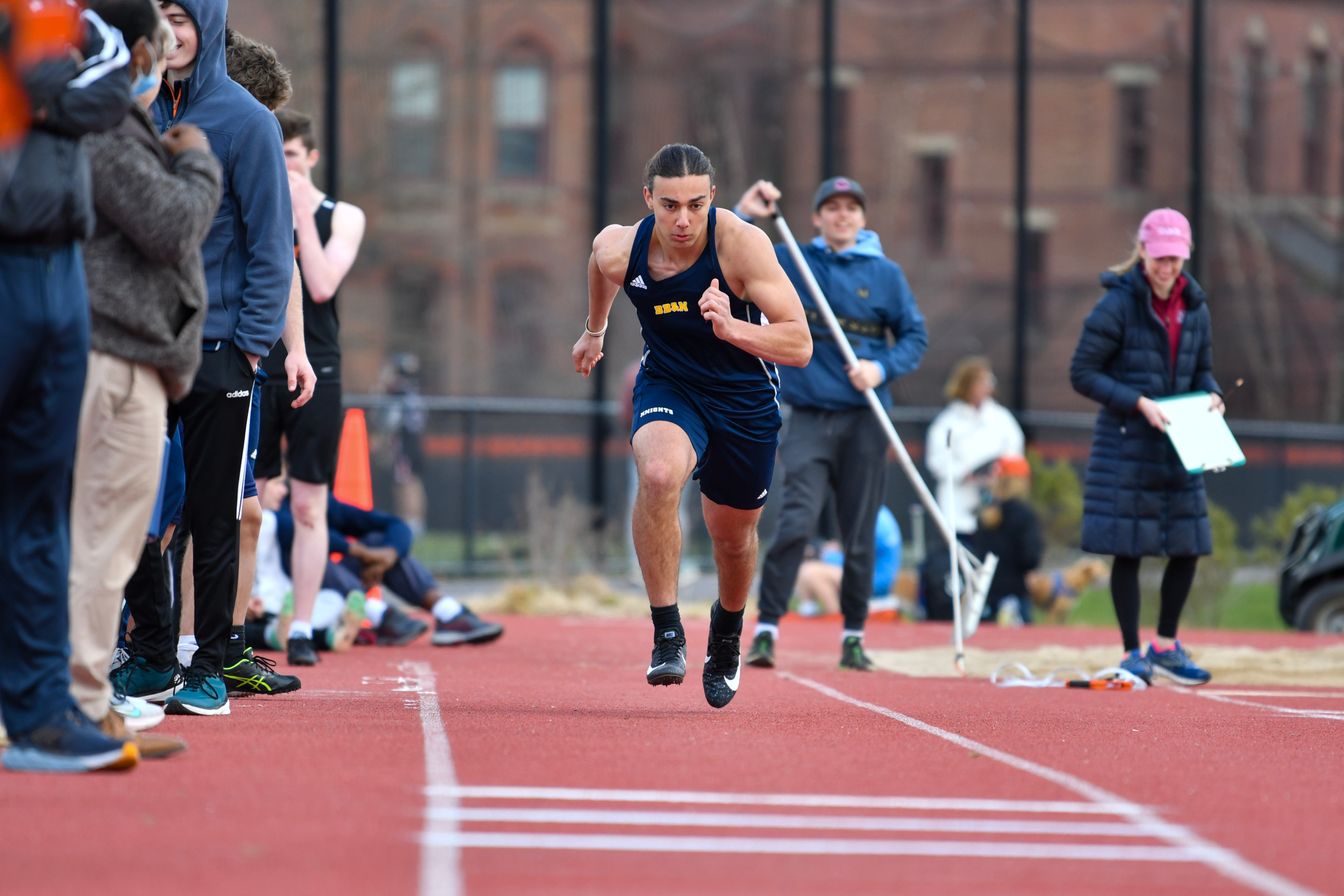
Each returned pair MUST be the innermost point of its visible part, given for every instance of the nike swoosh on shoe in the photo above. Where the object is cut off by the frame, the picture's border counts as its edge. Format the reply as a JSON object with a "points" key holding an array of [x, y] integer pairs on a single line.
{"points": [[733, 682]]}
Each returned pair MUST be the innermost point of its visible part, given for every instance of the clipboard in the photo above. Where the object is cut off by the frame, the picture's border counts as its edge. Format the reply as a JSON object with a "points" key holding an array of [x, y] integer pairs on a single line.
{"points": [[1200, 436]]}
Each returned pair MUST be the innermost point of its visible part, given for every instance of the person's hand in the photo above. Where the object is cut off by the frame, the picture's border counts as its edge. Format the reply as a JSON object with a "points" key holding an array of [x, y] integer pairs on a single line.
{"points": [[301, 377], [865, 375], [181, 137], [1216, 403], [714, 307], [252, 360], [760, 199], [588, 351], [377, 561], [1152, 412], [302, 195]]}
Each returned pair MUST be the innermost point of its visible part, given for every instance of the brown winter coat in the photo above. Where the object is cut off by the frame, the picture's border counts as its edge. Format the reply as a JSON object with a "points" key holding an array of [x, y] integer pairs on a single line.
{"points": [[146, 284]]}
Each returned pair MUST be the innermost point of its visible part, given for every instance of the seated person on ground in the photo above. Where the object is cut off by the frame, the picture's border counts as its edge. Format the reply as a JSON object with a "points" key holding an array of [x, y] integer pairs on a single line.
{"points": [[336, 619], [1009, 528], [818, 586], [375, 549]]}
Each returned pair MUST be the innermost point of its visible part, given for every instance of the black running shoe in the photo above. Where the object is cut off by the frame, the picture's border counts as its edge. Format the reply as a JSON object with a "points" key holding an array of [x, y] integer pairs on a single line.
{"points": [[465, 628], [300, 652], [252, 674], [397, 628], [853, 657], [668, 663], [723, 667], [762, 653]]}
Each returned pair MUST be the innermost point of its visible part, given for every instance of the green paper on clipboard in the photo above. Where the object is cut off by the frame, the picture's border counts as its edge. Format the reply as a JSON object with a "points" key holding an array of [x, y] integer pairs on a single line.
{"points": [[1199, 434]]}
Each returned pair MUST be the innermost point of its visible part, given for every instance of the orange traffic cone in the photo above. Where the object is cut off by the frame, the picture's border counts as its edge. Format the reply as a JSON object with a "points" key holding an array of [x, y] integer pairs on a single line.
{"points": [[354, 478]]}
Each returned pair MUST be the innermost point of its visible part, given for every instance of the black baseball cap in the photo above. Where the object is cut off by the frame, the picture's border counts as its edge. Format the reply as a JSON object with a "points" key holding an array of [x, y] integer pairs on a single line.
{"points": [[839, 186]]}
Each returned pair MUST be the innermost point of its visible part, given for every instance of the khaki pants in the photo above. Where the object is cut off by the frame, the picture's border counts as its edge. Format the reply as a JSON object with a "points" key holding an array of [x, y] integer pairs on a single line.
{"points": [[117, 465]]}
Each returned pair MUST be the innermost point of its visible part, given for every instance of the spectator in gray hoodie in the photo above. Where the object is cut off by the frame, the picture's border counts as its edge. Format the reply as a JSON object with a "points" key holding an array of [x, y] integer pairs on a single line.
{"points": [[154, 202]]}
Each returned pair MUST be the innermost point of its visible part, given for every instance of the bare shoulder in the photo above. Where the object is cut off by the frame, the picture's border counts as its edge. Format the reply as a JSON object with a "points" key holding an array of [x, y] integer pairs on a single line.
{"points": [[745, 252], [347, 217], [611, 250], [739, 241]]}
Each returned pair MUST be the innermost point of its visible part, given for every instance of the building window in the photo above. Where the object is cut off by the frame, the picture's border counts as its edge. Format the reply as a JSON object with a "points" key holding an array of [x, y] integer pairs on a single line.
{"points": [[413, 292], [1135, 132], [521, 113], [1038, 241], [1315, 115], [415, 109], [519, 343], [1253, 133], [767, 117], [933, 201]]}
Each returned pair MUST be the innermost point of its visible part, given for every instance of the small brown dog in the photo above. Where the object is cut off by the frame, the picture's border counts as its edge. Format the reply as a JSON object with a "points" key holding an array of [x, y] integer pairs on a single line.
{"points": [[1054, 594]]}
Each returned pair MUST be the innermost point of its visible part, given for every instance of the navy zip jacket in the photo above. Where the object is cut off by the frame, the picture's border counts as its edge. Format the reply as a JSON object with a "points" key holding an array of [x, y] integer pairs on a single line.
{"points": [[249, 253], [1138, 500], [871, 298]]}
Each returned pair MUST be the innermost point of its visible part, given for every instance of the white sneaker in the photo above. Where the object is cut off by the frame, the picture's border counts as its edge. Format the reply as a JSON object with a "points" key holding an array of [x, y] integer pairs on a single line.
{"points": [[139, 715]]}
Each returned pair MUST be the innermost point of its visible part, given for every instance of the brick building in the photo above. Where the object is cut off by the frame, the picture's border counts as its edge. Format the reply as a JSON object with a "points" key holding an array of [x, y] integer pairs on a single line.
{"points": [[466, 136]]}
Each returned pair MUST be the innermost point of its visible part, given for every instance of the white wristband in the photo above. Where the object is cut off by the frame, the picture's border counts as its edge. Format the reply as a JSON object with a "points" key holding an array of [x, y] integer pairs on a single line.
{"points": [[601, 332]]}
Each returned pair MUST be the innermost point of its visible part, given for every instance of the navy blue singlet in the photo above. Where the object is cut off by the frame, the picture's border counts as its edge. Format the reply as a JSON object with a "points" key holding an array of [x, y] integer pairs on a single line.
{"points": [[679, 344]]}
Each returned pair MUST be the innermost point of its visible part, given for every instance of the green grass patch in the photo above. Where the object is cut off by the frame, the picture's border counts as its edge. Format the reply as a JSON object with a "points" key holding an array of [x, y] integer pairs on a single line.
{"points": [[1245, 607]]}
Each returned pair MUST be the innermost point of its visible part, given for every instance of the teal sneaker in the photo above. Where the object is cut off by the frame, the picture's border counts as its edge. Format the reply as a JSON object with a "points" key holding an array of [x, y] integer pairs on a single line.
{"points": [[1177, 665], [137, 678], [201, 694]]}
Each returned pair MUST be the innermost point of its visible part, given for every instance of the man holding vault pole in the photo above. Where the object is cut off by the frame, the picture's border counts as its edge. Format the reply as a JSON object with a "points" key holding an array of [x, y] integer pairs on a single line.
{"points": [[834, 443]]}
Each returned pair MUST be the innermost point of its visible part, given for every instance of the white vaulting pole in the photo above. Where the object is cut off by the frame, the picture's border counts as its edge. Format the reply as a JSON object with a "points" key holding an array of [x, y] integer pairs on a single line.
{"points": [[954, 573], [875, 403]]}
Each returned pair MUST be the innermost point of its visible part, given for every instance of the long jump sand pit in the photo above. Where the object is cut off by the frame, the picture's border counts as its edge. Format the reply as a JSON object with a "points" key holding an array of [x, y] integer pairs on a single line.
{"points": [[1230, 663], [1291, 666]]}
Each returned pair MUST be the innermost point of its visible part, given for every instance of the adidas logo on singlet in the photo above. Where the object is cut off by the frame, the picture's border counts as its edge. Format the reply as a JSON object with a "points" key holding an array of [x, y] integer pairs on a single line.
{"points": [[638, 282]]}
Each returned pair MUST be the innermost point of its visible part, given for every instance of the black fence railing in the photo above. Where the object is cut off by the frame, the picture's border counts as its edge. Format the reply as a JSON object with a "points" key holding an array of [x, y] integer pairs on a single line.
{"points": [[477, 459]]}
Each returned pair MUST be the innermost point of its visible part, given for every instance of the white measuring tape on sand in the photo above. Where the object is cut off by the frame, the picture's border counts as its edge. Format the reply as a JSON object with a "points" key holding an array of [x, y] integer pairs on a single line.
{"points": [[1112, 678]]}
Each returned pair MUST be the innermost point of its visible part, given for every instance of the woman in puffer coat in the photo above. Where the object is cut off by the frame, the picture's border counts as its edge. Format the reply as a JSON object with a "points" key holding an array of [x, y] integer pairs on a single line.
{"points": [[1147, 338]]}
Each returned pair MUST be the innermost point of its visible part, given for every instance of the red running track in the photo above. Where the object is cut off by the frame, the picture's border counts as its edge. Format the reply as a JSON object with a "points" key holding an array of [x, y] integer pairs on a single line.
{"points": [[543, 764]]}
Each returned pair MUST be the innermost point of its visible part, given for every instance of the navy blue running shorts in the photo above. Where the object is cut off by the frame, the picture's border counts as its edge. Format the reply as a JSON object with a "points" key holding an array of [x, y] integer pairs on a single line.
{"points": [[734, 445]]}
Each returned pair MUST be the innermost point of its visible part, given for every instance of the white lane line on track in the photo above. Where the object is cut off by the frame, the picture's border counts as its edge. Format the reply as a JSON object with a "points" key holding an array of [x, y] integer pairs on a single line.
{"points": [[440, 855], [1225, 861], [815, 846], [802, 800], [741, 820], [1333, 715], [1286, 695]]}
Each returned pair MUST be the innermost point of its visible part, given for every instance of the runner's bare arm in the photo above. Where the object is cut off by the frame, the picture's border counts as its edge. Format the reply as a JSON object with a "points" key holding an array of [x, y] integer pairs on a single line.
{"points": [[606, 267], [749, 263]]}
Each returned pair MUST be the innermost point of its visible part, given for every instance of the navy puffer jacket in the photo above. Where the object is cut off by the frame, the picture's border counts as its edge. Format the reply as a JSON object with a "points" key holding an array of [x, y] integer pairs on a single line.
{"points": [[1138, 500]]}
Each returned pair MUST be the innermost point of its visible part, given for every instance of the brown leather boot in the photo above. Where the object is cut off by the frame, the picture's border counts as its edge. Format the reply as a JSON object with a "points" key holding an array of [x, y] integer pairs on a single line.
{"points": [[151, 746]]}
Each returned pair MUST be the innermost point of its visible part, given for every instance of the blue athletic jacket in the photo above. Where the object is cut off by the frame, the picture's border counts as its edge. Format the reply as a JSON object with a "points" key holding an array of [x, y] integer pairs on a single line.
{"points": [[871, 298], [249, 253]]}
